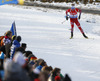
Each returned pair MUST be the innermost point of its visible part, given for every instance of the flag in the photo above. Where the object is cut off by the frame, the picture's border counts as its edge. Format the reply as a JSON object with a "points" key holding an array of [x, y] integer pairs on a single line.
{"points": [[3, 2], [13, 29]]}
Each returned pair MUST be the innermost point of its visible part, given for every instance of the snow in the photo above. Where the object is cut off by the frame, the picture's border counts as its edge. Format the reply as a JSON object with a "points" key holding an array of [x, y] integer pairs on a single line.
{"points": [[42, 30]]}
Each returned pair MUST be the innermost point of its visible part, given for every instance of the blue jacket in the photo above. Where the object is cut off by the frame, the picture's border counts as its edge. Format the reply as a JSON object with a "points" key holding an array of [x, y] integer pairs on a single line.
{"points": [[39, 67], [15, 45]]}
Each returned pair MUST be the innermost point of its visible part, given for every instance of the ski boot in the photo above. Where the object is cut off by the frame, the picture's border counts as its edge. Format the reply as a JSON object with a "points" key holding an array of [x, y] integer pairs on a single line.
{"points": [[71, 35], [85, 36]]}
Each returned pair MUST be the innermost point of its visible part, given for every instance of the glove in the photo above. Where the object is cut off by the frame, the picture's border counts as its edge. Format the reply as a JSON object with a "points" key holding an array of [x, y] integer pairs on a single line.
{"points": [[79, 17], [66, 17]]}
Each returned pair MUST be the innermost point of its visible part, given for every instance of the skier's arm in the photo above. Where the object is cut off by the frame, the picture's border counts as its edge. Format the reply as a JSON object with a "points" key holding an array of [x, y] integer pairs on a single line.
{"points": [[67, 14], [78, 10], [79, 14]]}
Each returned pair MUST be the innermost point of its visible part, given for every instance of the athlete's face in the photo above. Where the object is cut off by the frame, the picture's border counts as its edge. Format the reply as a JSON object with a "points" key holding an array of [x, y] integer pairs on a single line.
{"points": [[73, 7]]}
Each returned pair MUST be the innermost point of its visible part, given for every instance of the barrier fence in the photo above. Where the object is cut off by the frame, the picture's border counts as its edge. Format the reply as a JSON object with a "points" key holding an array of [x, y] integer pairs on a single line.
{"points": [[83, 1]]}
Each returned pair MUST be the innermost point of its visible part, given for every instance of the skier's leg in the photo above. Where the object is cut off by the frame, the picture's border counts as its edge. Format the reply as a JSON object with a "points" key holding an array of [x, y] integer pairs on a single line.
{"points": [[72, 27], [79, 26]]}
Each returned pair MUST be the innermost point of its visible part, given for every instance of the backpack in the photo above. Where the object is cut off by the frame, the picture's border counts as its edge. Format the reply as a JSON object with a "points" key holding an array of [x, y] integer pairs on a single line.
{"points": [[1, 41]]}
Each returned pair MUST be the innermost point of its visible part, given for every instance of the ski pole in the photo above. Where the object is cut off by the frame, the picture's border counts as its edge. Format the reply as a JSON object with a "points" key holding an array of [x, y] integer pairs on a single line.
{"points": [[63, 22]]}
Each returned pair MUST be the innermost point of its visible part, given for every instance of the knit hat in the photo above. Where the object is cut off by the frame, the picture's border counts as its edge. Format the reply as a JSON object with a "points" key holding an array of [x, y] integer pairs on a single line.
{"points": [[57, 78], [19, 58], [13, 37], [23, 45], [18, 38]]}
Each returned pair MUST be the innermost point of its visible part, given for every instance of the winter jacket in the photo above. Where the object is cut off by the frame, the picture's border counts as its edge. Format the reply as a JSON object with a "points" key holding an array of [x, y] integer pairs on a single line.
{"points": [[14, 72], [1, 41], [6, 40], [6, 47], [37, 69], [73, 13], [15, 45]]}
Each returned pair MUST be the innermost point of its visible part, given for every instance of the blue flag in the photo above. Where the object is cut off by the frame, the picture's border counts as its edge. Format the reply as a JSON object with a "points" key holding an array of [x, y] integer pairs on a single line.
{"points": [[13, 29], [2, 2]]}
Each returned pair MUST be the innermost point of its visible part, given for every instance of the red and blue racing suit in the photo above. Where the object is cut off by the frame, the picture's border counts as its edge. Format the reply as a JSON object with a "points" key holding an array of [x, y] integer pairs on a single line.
{"points": [[73, 18]]}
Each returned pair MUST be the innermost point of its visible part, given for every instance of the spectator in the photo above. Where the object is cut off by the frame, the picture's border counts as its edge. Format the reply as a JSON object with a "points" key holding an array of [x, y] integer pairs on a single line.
{"points": [[27, 53], [14, 70], [24, 46], [30, 58], [67, 78], [55, 72], [47, 69], [37, 63], [5, 44], [43, 76], [12, 39], [19, 58], [16, 44], [38, 68], [21, 48], [7, 38]]}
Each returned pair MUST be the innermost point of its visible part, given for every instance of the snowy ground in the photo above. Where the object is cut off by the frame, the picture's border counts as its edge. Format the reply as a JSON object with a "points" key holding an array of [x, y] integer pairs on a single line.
{"points": [[42, 30]]}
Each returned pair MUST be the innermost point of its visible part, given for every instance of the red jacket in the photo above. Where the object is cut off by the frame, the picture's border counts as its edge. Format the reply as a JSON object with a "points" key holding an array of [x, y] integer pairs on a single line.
{"points": [[73, 13]]}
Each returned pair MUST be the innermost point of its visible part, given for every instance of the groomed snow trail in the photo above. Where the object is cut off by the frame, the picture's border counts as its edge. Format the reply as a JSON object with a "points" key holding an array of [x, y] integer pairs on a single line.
{"points": [[44, 34]]}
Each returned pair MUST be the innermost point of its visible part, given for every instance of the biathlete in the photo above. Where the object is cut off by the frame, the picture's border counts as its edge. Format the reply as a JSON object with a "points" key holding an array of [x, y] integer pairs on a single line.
{"points": [[74, 19]]}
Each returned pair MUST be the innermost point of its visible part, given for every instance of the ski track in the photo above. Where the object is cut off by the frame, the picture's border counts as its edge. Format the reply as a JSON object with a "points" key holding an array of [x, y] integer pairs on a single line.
{"points": [[49, 39]]}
